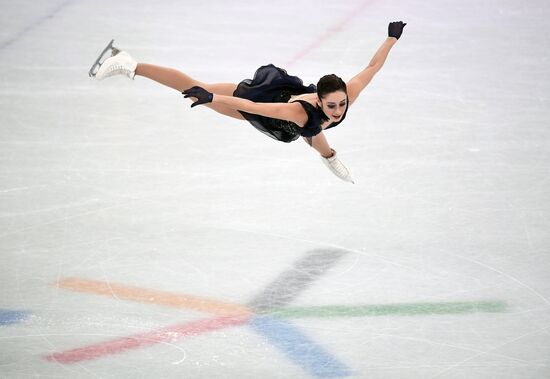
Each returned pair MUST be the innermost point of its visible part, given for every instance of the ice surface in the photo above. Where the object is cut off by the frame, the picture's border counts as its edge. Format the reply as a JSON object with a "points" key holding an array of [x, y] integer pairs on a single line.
{"points": [[140, 238]]}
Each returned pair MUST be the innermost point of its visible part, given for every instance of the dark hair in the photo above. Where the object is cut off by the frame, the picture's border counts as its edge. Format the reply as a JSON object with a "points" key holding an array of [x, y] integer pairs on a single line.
{"points": [[330, 83]]}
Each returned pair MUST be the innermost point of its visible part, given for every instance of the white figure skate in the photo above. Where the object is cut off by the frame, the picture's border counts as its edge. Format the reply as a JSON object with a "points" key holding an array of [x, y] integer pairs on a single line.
{"points": [[119, 63], [337, 168]]}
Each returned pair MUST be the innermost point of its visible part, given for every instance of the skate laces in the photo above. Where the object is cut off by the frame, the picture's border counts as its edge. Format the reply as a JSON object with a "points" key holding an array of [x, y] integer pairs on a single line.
{"points": [[338, 166], [120, 64], [118, 68]]}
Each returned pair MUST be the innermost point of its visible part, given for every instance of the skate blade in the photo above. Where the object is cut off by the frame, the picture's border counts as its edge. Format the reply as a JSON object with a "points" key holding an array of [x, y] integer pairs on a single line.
{"points": [[99, 60]]}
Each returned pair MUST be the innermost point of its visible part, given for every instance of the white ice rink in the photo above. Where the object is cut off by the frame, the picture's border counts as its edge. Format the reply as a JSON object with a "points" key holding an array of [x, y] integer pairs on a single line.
{"points": [[142, 239]]}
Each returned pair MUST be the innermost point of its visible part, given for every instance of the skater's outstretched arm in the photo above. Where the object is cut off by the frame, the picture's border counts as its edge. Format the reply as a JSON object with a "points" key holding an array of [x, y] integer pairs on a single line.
{"points": [[361, 80], [293, 112]]}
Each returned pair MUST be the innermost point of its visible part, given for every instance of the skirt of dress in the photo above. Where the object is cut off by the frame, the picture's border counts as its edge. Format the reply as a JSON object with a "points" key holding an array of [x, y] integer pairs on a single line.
{"points": [[272, 84]]}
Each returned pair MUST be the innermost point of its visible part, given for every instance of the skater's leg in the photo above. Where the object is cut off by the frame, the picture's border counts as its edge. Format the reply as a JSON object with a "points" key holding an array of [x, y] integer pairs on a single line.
{"points": [[320, 143], [180, 81]]}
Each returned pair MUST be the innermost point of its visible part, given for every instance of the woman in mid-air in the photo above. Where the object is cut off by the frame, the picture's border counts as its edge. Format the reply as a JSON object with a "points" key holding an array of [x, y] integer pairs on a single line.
{"points": [[275, 103]]}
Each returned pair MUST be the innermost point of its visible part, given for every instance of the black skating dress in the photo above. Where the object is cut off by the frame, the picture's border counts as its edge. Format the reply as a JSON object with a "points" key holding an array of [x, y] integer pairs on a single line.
{"points": [[272, 84]]}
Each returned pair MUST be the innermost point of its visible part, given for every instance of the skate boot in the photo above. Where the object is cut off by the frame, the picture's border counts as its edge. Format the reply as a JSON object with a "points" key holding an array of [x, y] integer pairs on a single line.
{"points": [[337, 168], [119, 63]]}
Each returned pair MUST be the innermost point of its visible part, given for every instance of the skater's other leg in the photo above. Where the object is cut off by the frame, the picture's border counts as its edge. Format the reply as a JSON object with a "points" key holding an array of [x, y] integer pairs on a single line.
{"points": [[320, 143], [180, 81]]}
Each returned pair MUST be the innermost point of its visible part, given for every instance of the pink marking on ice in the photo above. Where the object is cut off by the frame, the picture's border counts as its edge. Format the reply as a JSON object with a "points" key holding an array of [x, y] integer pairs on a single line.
{"points": [[168, 334], [331, 30]]}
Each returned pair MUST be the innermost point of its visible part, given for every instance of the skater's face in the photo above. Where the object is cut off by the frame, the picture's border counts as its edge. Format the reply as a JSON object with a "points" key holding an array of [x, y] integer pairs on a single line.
{"points": [[334, 105]]}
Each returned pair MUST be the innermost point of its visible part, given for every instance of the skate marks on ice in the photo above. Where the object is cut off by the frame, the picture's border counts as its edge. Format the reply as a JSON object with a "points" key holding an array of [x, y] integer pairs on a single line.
{"points": [[267, 314]]}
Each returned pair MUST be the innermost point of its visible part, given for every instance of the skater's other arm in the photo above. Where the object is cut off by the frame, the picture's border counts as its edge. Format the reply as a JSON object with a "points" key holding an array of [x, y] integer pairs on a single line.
{"points": [[293, 112], [361, 80], [319, 142]]}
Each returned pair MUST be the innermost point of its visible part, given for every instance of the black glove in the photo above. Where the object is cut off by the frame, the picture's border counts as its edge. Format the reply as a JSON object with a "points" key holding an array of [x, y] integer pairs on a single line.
{"points": [[202, 95], [395, 29]]}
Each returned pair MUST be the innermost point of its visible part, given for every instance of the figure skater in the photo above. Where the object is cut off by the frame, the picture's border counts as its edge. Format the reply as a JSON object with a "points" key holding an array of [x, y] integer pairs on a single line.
{"points": [[275, 103]]}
